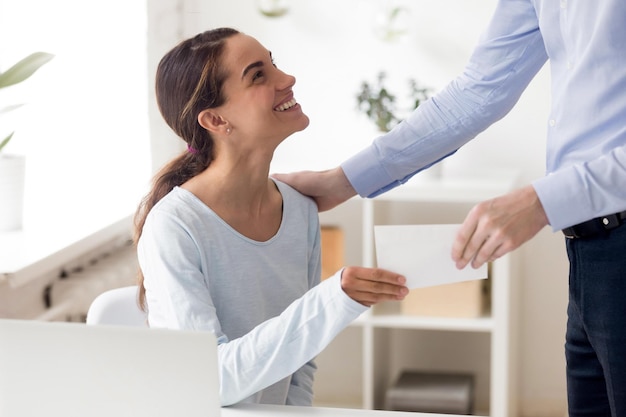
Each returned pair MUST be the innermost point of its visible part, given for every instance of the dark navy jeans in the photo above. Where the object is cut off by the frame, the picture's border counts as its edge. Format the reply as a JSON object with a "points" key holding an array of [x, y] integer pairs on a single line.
{"points": [[595, 346]]}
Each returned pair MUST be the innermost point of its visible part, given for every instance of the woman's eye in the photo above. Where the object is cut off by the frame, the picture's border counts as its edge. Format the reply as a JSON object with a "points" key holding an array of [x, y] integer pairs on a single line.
{"points": [[257, 75]]}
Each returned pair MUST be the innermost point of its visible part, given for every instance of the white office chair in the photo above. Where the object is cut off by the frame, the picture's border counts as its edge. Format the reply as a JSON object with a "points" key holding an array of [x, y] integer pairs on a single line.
{"points": [[117, 307]]}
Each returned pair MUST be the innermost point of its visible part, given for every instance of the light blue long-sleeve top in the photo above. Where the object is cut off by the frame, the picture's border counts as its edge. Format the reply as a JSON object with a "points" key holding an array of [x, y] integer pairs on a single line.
{"points": [[262, 300], [585, 42]]}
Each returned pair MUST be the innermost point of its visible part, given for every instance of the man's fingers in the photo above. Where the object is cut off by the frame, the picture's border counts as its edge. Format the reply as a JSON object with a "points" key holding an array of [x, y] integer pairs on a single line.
{"points": [[488, 252], [495, 227], [467, 241]]}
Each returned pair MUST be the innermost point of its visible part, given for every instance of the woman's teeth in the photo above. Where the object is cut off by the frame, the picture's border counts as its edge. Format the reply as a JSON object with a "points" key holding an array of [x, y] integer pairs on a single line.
{"points": [[286, 105]]}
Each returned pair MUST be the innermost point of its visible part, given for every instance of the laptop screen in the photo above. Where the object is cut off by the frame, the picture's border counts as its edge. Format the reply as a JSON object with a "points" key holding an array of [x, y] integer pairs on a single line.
{"points": [[71, 369]]}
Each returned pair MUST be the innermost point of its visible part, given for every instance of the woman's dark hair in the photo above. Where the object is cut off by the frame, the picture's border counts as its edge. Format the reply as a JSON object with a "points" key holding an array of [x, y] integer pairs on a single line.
{"points": [[189, 79]]}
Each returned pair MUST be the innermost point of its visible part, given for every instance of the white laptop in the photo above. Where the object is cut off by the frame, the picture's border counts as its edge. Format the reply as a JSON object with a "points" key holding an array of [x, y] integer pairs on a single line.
{"points": [[75, 370]]}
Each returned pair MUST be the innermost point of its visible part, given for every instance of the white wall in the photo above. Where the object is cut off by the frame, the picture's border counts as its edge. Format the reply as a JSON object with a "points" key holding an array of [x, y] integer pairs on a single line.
{"points": [[331, 46]]}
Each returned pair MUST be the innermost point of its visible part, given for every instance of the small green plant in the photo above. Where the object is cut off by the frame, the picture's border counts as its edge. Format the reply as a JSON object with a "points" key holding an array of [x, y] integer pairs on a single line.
{"points": [[18, 73], [393, 24], [273, 8], [381, 106]]}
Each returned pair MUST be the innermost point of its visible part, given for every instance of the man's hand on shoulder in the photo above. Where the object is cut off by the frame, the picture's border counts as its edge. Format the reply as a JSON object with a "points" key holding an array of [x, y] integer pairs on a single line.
{"points": [[328, 188]]}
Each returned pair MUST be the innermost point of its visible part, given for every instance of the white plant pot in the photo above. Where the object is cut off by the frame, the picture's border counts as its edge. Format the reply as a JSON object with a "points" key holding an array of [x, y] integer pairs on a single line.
{"points": [[12, 180]]}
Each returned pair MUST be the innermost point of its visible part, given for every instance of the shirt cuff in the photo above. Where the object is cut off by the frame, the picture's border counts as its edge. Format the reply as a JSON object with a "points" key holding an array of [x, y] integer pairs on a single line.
{"points": [[366, 175], [558, 193]]}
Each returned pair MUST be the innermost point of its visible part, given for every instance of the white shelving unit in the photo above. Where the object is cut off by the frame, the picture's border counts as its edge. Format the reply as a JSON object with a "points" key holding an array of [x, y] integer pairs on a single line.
{"points": [[390, 341]]}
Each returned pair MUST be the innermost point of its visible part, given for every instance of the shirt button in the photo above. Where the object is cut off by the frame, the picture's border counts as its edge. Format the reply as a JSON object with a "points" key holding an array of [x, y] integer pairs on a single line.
{"points": [[563, 4], [569, 64], [552, 122]]}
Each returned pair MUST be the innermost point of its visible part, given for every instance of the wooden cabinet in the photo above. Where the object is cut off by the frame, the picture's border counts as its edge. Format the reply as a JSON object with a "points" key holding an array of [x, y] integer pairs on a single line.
{"points": [[365, 360]]}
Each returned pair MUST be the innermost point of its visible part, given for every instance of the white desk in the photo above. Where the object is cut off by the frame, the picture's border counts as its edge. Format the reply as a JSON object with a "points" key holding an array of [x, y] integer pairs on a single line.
{"points": [[257, 410]]}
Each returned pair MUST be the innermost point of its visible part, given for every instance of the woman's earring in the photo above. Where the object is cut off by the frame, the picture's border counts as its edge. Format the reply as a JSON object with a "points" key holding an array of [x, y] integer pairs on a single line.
{"points": [[228, 130]]}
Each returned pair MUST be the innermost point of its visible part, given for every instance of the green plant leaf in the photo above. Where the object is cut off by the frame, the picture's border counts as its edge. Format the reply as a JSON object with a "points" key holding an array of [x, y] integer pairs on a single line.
{"points": [[5, 141], [10, 108], [24, 68], [379, 104]]}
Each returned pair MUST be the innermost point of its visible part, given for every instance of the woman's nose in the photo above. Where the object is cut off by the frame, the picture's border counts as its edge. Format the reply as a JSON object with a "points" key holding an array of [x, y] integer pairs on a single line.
{"points": [[286, 80]]}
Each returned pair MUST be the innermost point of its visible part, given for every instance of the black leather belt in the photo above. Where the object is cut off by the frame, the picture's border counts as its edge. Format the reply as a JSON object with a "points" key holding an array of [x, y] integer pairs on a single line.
{"points": [[595, 227]]}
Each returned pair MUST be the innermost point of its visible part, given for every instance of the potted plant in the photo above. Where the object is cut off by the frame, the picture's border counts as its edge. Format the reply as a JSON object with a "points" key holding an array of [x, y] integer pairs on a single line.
{"points": [[12, 167], [380, 105]]}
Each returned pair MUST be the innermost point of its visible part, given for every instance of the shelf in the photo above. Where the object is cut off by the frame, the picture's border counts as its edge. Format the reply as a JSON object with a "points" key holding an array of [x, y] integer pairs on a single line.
{"points": [[403, 321], [482, 324], [452, 189], [391, 340]]}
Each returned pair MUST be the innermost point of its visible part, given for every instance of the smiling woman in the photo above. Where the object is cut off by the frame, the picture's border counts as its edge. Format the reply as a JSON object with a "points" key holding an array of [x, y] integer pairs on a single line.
{"points": [[84, 131], [224, 248]]}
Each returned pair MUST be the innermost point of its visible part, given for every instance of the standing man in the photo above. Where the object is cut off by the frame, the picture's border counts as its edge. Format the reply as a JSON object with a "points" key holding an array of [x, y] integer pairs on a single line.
{"points": [[583, 193]]}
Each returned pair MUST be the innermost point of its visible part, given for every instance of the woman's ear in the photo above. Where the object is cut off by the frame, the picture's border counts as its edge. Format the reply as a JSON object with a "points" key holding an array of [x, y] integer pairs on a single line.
{"points": [[211, 121]]}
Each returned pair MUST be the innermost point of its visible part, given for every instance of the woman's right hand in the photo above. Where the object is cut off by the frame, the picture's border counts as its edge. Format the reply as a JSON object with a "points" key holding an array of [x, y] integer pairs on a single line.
{"points": [[369, 286]]}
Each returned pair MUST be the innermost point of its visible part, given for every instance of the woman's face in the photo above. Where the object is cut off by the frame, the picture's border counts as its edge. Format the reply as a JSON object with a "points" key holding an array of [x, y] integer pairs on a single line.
{"points": [[259, 98]]}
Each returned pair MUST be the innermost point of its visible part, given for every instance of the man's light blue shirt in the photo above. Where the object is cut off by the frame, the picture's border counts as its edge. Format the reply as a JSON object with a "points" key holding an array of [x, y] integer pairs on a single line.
{"points": [[585, 42]]}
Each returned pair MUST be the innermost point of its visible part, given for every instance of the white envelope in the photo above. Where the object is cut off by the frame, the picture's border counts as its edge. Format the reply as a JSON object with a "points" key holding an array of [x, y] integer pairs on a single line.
{"points": [[422, 253]]}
